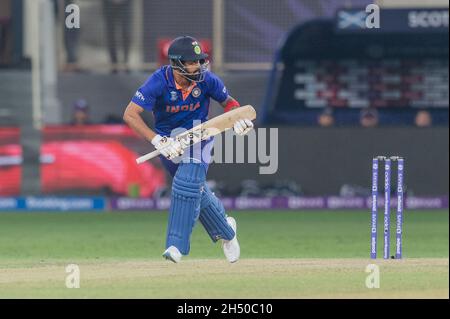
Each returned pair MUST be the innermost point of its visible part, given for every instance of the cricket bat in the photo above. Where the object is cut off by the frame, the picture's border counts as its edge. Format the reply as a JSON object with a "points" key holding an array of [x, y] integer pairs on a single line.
{"points": [[207, 129]]}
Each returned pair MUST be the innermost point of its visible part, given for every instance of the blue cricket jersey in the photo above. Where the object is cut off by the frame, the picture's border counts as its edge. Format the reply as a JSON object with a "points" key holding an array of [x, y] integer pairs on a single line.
{"points": [[174, 108]]}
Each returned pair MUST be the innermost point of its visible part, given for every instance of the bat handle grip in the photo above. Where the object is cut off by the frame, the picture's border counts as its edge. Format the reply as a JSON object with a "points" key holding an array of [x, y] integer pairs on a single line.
{"points": [[147, 157]]}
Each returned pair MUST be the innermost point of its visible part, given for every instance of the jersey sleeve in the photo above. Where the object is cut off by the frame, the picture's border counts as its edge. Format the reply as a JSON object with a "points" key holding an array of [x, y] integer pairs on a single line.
{"points": [[147, 94], [217, 89]]}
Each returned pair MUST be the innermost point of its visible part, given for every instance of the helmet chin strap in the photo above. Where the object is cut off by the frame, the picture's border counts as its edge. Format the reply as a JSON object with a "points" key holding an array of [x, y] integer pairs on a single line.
{"points": [[185, 76], [179, 68]]}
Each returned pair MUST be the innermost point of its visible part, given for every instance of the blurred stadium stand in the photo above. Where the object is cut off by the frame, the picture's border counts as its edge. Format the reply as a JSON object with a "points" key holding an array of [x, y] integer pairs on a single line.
{"points": [[346, 66], [247, 38]]}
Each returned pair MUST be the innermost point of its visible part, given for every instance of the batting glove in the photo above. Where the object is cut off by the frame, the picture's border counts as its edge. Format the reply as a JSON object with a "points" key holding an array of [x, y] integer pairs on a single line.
{"points": [[167, 146], [242, 127]]}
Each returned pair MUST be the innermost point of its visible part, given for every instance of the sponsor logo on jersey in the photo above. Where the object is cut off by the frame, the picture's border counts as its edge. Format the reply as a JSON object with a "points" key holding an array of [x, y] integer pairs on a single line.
{"points": [[140, 96]]}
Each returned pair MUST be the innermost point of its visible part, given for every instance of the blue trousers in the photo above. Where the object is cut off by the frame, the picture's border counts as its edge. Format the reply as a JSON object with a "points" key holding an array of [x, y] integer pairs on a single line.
{"points": [[187, 205]]}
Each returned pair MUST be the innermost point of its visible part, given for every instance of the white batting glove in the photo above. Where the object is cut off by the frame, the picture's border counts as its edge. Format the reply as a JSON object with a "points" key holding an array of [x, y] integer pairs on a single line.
{"points": [[242, 127], [167, 146]]}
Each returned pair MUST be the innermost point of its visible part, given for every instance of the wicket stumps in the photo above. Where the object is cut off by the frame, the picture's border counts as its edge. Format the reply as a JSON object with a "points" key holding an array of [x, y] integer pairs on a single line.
{"points": [[387, 206]]}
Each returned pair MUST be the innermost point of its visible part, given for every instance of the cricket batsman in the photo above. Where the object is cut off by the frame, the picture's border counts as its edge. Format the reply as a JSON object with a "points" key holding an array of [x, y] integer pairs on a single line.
{"points": [[179, 94]]}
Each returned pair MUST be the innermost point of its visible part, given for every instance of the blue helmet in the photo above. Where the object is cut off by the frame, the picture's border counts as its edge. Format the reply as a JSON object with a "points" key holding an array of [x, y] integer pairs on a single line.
{"points": [[184, 49]]}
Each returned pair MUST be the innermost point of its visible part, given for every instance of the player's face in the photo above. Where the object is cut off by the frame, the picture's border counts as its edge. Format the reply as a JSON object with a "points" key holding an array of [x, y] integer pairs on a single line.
{"points": [[192, 66]]}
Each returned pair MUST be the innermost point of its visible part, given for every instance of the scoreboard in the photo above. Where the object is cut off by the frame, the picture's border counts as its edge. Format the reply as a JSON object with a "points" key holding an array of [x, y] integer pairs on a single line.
{"points": [[342, 64], [358, 83]]}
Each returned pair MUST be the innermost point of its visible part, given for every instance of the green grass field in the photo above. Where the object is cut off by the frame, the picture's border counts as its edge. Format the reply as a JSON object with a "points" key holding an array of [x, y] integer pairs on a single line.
{"points": [[285, 254]]}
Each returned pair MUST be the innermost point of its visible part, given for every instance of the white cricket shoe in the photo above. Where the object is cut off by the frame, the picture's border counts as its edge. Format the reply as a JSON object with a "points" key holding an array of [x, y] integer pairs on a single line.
{"points": [[231, 248], [172, 253]]}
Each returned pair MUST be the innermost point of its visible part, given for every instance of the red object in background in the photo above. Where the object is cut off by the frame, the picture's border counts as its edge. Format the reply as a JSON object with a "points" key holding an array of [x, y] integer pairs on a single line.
{"points": [[93, 165], [87, 158], [164, 44], [96, 157], [65, 132], [10, 170], [10, 158]]}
